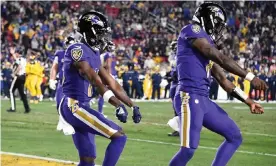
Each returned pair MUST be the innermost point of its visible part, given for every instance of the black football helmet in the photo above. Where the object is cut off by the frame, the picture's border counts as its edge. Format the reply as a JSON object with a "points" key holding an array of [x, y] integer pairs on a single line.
{"points": [[212, 17], [94, 27]]}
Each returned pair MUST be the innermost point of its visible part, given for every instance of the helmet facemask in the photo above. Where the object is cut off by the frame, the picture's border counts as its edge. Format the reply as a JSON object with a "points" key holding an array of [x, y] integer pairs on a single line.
{"points": [[218, 23]]}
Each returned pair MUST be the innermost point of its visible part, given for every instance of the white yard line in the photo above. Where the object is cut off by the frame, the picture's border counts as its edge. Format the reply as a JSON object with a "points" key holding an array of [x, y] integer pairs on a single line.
{"points": [[17, 122], [203, 147], [246, 133], [40, 158]]}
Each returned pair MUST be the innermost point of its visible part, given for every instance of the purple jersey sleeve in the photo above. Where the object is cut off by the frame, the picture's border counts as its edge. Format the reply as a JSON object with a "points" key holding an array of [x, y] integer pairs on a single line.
{"points": [[192, 31]]}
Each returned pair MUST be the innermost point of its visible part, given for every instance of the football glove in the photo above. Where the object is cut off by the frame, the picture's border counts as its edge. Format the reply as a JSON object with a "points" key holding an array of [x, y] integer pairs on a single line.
{"points": [[52, 84], [136, 114], [121, 113]]}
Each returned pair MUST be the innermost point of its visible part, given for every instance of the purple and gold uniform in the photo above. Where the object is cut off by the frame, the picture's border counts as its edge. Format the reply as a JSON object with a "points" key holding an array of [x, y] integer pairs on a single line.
{"points": [[59, 58], [74, 106], [193, 105]]}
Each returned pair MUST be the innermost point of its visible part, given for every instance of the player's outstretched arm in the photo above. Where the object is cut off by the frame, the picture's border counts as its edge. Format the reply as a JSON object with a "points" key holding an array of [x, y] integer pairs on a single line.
{"points": [[119, 93], [234, 91], [115, 87], [53, 74], [212, 53], [85, 69]]}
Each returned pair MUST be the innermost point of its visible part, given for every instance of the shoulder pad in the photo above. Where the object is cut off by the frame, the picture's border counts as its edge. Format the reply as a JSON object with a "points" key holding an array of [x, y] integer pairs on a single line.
{"points": [[193, 31]]}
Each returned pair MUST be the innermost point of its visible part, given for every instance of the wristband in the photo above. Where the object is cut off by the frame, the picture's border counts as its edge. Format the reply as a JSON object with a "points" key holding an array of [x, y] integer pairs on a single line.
{"points": [[249, 76], [107, 95], [239, 94]]}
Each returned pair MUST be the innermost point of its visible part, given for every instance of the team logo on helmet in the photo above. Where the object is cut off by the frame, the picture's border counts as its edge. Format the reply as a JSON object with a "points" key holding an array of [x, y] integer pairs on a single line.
{"points": [[218, 13], [94, 19], [76, 53], [196, 28]]}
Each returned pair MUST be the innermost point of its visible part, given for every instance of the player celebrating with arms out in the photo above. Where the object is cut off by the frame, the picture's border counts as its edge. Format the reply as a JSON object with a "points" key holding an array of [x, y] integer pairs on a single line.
{"points": [[197, 57], [82, 70]]}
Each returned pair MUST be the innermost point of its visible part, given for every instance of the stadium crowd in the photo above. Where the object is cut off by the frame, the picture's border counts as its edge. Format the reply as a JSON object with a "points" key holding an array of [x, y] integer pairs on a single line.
{"points": [[142, 32]]}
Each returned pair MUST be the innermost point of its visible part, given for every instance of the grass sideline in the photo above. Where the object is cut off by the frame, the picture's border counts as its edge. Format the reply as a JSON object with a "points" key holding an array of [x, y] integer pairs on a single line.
{"points": [[148, 143]]}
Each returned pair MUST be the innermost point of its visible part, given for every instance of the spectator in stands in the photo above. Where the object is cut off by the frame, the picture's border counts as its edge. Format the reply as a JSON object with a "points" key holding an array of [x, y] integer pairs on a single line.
{"points": [[149, 62]]}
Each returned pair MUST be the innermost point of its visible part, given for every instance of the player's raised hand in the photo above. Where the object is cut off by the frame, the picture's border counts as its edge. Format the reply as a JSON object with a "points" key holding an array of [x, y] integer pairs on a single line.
{"points": [[121, 113], [259, 84], [136, 114]]}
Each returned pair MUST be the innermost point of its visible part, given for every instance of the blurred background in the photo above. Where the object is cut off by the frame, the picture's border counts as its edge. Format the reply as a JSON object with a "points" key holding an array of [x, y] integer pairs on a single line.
{"points": [[142, 33]]}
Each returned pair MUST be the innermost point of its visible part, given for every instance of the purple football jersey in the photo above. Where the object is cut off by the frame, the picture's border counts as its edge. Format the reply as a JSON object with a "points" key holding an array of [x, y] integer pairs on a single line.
{"points": [[193, 68], [113, 64], [75, 85], [60, 56]]}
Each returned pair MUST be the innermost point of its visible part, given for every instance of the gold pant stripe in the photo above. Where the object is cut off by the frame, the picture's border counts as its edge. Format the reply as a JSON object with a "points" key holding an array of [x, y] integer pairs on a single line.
{"points": [[90, 120], [185, 120], [102, 129]]}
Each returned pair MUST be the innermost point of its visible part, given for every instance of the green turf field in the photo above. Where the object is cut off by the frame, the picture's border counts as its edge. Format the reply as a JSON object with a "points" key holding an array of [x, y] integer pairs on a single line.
{"points": [[148, 143]]}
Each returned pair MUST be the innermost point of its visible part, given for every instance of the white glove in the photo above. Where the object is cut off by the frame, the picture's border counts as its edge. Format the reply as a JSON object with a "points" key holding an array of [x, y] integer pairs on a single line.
{"points": [[52, 84]]}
